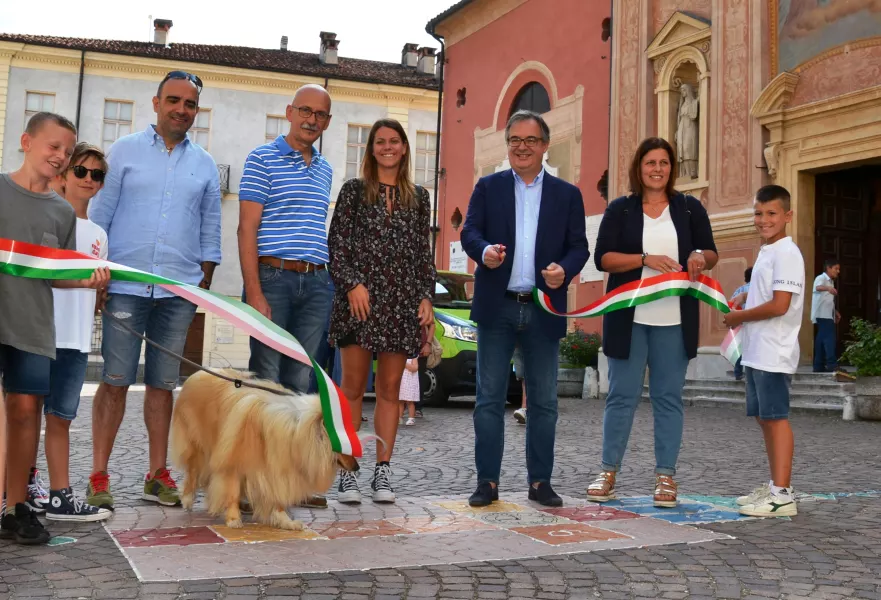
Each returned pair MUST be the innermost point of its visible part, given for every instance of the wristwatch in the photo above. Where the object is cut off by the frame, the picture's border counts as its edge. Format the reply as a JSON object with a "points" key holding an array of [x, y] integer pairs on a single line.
{"points": [[697, 251], [644, 256]]}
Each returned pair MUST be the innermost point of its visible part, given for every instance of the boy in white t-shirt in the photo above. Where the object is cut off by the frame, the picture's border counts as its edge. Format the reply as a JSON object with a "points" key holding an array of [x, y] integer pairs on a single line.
{"points": [[771, 320], [74, 319]]}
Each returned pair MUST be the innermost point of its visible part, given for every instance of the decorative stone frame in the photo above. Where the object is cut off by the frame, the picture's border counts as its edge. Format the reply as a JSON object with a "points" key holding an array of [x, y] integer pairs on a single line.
{"points": [[834, 133], [684, 39]]}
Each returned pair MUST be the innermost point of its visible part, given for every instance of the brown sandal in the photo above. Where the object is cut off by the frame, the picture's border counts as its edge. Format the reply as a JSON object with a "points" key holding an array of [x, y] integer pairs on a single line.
{"points": [[665, 486], [604, 484]]}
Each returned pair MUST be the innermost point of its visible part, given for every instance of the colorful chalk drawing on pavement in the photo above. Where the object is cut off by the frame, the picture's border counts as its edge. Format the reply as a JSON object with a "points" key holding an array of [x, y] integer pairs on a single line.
{"points": [[170, 544]]}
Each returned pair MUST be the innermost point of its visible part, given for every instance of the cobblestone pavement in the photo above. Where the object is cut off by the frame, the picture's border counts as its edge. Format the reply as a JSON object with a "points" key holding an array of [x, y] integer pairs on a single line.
{"points": [[832, 549]]}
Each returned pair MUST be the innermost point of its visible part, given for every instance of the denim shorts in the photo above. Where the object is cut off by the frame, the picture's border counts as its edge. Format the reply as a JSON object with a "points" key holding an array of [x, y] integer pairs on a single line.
{"points": [[767, 394], [24, 372], [66, 376], [164, 321]]}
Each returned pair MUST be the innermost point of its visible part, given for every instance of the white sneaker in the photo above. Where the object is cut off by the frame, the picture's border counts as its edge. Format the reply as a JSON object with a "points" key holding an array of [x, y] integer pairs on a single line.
{"points": [[756, 495], [771, 506], [410, 421], [348, 491], [520, 416], [381, 485]]}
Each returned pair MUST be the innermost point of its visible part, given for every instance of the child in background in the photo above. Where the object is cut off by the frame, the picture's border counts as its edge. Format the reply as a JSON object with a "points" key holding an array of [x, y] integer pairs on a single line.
{"points": [[520, 413], [409, 395], [74, 320]]}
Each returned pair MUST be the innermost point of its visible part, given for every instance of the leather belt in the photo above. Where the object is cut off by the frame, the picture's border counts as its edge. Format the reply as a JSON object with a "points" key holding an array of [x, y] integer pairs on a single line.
{"points": [[300, 266], [521, 297]]}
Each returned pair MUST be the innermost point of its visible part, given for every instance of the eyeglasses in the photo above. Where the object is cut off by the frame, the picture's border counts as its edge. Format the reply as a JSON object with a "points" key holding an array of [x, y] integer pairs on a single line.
{"points": [[80, 172], [529, 141], [184, 75], [307, 112]]}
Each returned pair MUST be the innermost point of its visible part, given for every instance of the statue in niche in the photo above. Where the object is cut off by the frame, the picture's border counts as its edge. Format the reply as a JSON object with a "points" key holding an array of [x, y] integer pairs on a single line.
{"points": [[687, 132]]}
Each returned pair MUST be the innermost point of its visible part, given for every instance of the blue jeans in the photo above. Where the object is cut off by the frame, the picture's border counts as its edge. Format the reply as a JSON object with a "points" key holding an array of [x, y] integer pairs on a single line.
{"points": [[24, 372], [515, 324], [66, 377], [300, 304], [767, 394], [663, 351], [824, 346], [166, 321]]}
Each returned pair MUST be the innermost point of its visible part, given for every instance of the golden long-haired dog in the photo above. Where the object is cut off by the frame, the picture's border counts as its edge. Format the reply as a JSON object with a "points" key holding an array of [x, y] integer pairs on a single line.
{"points": [[234, 442]]}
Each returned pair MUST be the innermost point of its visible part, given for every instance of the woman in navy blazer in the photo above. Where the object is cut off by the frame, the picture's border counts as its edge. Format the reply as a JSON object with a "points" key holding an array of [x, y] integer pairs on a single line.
{"points": [[651, 231]]}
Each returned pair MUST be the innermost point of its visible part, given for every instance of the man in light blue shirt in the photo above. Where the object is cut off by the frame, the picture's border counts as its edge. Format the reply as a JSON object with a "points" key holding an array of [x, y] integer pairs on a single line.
{"points": [[160, 207]]}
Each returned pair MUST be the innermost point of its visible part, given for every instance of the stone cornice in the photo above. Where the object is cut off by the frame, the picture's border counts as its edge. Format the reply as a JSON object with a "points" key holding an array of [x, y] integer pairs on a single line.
{"points": [[733, 225], [133, 67]]}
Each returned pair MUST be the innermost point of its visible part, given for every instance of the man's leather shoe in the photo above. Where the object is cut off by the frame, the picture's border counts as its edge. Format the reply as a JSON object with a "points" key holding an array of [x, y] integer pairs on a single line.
{"points": [[484, 496], [545, 495]]}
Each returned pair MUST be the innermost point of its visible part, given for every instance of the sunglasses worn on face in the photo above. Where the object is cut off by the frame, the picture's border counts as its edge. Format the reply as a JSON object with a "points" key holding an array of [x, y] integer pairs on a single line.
{"points": [[80, 172], [184, 75]]}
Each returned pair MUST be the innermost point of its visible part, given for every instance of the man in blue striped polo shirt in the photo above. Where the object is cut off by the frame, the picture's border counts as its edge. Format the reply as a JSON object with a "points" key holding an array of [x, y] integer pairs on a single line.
{"points": [[285, 195]]}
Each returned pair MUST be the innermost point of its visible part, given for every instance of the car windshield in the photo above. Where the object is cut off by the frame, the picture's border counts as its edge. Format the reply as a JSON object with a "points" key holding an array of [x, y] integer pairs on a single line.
{"points": [[453, 290]]}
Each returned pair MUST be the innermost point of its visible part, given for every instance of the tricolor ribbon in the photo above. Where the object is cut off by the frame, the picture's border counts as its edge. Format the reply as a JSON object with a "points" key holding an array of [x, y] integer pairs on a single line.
{"points": [[643, 291], [39, 262]]}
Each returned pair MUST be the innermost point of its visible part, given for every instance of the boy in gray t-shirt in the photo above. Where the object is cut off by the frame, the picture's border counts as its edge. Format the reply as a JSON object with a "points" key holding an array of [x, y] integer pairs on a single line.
{"points": [[30, 212]]}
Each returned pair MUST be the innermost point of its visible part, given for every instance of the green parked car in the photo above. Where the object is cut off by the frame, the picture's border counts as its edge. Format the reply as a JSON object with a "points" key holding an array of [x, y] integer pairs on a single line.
{"points": [[457, 371]]}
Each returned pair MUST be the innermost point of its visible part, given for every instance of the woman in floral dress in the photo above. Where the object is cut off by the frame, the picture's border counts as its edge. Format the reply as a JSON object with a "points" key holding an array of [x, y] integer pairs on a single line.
{"points": [[384, 277]]}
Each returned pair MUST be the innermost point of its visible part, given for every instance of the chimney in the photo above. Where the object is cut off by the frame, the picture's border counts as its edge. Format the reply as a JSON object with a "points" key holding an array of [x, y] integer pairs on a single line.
{"points": [[328, 52], [410, 55], [160, 31], [284, 42], [425, 64]]}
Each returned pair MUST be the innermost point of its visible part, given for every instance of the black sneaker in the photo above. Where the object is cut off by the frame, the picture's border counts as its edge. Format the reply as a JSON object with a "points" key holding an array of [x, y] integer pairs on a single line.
{"points": [[29, 531], [545, 495], [484, 495], [381, 485], [348, 491], [8, 525], [65, 506]]}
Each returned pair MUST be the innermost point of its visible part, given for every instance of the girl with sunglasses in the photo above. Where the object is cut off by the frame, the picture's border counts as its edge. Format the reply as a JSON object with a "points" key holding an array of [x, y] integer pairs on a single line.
{"points": [[74, 319]]}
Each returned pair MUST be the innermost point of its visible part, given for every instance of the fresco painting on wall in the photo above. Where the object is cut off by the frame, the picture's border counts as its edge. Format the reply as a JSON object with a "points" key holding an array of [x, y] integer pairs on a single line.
{"points": [[806, 28]]}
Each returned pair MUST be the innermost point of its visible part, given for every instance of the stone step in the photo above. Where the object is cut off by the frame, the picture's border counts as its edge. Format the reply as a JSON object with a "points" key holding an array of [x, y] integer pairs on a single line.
{"points": [[796, 406], [820, 388]]}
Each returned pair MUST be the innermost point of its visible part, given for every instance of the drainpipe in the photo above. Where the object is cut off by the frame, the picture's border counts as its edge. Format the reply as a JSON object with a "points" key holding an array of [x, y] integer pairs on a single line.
{"points": [[321, 139], [79, 93], [609, 118], [440, 98]]}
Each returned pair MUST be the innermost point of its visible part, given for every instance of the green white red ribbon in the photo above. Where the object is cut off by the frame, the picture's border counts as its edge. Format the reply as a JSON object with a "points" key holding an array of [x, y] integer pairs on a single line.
{"points": [[706, 289], [39, 262]]}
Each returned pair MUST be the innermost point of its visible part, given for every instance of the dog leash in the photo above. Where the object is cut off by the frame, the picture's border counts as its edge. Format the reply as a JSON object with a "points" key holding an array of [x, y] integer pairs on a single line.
{"points": [[235, 381]]}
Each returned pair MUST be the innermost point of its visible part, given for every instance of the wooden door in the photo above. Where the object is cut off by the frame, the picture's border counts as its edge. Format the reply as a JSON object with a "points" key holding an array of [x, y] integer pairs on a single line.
{"points": [[194, 345], [843, 201]]}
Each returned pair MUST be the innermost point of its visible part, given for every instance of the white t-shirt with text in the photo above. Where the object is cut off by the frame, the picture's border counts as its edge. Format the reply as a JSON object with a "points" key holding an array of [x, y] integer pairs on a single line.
{"points": [[659, 237], [75, 309], [772, 345]]}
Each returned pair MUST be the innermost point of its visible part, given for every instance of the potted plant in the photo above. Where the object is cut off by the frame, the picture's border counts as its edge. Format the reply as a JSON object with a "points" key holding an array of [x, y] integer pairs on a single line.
{"points": [[864, 353], [578, 352]]}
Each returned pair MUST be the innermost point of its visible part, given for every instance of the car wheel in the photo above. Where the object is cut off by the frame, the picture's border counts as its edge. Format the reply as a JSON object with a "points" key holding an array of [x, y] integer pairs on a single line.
{"points": [[433, 393]]}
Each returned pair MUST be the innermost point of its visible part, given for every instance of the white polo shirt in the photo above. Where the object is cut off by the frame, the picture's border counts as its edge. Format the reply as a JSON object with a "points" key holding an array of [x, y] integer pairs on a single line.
{"points": [[772, 344]]}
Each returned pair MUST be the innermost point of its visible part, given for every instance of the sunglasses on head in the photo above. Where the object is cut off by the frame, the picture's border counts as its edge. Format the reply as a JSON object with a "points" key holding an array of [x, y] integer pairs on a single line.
{"points": [[80, 172], [184, 75]]}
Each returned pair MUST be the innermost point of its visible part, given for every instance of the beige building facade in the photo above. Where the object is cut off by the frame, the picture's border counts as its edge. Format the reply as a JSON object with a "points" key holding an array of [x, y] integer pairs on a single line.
{"points": [[107, 86]]}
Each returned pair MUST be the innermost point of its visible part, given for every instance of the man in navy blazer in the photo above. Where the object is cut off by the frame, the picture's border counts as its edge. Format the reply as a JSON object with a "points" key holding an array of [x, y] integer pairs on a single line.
{"points": [[524, 229]]}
